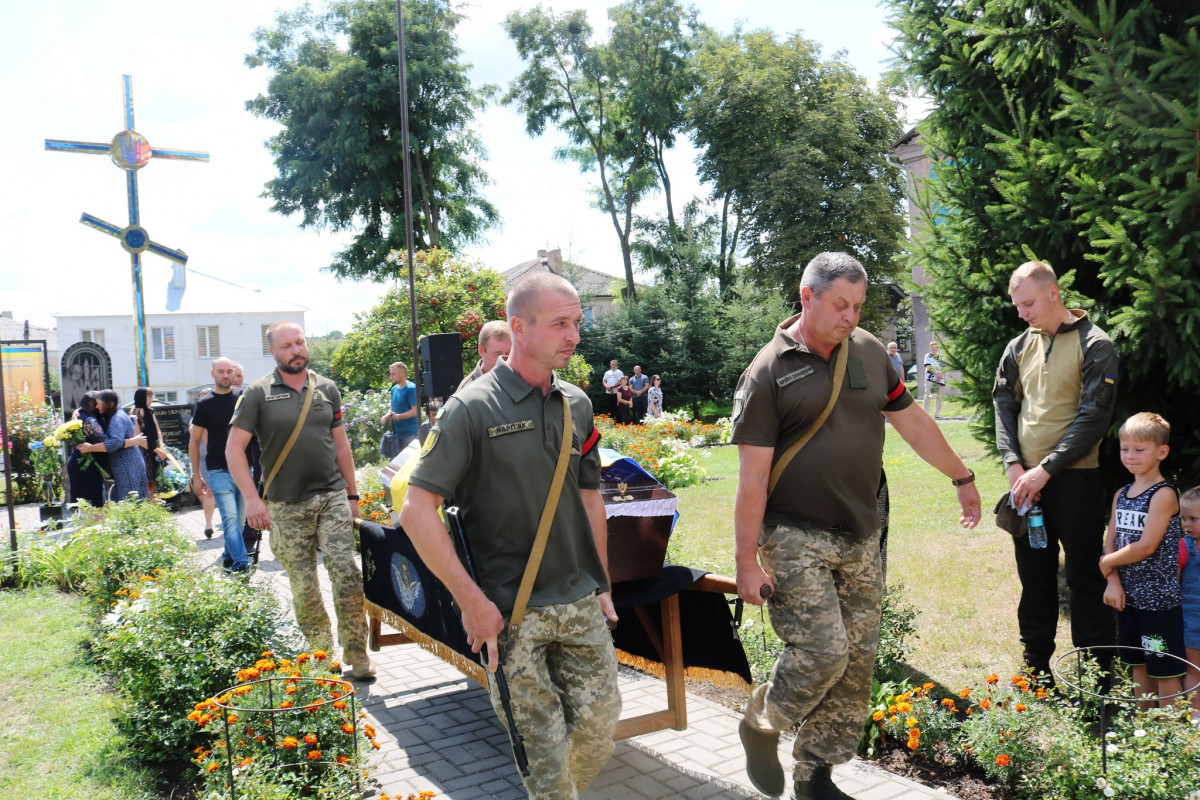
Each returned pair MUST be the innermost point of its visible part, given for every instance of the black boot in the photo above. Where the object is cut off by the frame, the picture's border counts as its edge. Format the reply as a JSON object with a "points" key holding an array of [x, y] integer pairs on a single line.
{"points": [[820, 786], [762, 759]]}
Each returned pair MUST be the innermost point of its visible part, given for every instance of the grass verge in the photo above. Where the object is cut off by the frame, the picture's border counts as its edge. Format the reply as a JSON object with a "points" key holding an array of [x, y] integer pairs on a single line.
{"points": [[60, 742]]}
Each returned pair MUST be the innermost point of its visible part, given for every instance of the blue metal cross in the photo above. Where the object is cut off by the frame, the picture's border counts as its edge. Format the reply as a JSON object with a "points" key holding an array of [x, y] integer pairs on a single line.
{"points": [[130, 151]]}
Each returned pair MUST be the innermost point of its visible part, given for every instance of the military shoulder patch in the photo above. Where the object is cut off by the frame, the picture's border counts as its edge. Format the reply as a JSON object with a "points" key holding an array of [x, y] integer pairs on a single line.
{"points": [[431, 439], [739, 403], [510, 427]]}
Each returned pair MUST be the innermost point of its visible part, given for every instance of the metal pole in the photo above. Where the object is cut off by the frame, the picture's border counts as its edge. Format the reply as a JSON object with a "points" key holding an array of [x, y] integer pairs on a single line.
{"points": [[408, 215], [7, 454]]}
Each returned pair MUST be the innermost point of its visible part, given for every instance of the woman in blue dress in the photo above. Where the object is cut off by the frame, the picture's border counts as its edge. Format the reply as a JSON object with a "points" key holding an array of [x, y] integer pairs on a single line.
{"points": [[123, 445], [87, 478]]}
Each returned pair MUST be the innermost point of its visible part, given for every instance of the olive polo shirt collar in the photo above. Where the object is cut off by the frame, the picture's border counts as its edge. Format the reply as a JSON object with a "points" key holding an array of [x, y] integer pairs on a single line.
{"points": [[278, 380], [515, 386], [784, 343]]}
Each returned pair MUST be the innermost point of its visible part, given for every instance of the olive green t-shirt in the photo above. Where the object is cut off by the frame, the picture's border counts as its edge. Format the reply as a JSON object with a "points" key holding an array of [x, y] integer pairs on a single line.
{"points": [[832, 481], [269, 407], [496, 445]]}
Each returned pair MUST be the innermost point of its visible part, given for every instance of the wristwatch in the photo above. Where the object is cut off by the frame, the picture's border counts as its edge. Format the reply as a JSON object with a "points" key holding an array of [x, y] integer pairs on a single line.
{"points": [[964, 481]]}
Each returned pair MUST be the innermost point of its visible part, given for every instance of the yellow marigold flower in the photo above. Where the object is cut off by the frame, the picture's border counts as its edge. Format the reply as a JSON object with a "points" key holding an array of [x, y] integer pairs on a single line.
{"points": [[993, 678], [310, 738], [268, 653], [913, 744], [289, 743], [910, 722], [1003, 760], [285, 664], [905, 708], [213, 766], [192, 717], [878, 715], [314, 755]]}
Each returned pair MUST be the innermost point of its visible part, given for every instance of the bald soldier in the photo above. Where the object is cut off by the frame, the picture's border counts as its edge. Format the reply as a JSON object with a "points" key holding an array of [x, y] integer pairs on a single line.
{"points": [[311, 498], [561, 666]]}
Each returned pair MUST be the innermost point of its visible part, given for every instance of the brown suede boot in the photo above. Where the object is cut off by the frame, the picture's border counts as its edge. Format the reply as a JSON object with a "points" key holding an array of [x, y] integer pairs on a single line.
{"points": [[762, 759]]}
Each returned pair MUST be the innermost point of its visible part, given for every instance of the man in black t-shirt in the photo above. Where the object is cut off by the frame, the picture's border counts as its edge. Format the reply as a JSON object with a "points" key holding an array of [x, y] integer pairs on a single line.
{"points": [[212, 416]]}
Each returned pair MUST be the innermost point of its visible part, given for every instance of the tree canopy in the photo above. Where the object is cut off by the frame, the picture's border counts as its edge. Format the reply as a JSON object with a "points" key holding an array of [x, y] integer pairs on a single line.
{"points": [[334, 88], [619, 103], [1070, 134], [799, 147]]}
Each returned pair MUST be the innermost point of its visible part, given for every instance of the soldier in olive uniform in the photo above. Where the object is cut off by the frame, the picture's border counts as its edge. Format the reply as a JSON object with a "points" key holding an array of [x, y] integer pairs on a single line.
{"points": [[312, 499], [814, 540], [494, 452]]}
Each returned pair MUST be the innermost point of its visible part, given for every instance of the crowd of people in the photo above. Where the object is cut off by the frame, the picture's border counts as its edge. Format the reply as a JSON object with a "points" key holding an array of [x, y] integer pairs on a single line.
{"points": [[629, 398], [808, 419]]}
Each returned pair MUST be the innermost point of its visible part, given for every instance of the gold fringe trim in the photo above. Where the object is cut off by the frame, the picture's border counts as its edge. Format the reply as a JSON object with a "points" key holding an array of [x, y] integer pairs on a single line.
{"points": [[472, 669], [727, 680]]}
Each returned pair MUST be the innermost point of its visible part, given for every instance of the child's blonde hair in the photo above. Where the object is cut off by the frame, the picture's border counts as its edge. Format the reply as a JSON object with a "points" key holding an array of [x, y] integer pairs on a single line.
{"points": [[1191, 497], [1146, 426]]}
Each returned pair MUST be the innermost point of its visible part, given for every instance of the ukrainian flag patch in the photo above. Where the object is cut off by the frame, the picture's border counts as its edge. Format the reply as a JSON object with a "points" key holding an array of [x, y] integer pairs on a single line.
{"points": [[1110, 379]]}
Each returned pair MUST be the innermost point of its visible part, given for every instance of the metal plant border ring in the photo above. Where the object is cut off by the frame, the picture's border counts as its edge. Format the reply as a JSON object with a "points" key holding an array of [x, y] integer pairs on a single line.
{"points": [[1105, 699], [274, 710]]}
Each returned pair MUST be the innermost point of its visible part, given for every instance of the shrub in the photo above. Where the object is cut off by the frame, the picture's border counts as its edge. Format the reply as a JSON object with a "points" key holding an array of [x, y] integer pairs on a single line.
{"points": [[176, 636], [1006, 727], [313, 739], [131, 538], [361, 412], [917, 719], [28, 422], [896, 630]]}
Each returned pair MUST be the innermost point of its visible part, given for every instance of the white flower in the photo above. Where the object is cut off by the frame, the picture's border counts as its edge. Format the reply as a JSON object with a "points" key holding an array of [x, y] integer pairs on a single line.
{"points": [[1109, 791], [1112, 748], [1110, 735], [1139, 733], [1101, 783]]}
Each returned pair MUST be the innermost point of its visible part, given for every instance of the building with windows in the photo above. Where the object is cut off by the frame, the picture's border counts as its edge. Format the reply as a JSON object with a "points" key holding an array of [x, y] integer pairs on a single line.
{"points": [[214, 318]]}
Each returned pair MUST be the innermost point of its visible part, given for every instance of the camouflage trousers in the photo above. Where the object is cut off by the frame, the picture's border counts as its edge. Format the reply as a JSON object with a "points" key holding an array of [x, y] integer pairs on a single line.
{"points": [[562, 677], [296, 531], [826, 607]]}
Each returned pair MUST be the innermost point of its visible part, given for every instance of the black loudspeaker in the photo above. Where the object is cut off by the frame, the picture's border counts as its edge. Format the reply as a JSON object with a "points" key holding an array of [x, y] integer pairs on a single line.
{"points": [[441, 364]]}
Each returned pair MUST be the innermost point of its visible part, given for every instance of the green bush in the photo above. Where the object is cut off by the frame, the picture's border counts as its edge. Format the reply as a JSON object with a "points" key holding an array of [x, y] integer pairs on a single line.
{"points": [[361, 412], [28, 422], [175, 637], [41, 560], [131, 538]]}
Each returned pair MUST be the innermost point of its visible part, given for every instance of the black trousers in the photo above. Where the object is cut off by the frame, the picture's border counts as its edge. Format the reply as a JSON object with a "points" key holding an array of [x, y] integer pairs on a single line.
{"points": [[610, 405], [1076, 511], [640, 404]]}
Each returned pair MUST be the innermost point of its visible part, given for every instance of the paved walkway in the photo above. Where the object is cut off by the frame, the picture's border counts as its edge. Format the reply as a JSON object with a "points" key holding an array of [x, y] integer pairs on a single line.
{"points": [[438, 732]]}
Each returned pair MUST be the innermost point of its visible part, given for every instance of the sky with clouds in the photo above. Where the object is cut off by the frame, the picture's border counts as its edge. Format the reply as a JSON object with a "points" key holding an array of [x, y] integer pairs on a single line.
{"points": [[61, 63]]}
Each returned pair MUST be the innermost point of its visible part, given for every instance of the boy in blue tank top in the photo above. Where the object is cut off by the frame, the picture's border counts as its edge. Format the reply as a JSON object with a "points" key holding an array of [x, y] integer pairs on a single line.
{"points": [[1141, 562], [1189, 580]]}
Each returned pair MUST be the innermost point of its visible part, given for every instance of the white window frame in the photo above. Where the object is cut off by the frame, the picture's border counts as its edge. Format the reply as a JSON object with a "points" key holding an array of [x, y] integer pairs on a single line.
{"points": [[206, 337], [164, 338], [92, 335], [167, 397]]}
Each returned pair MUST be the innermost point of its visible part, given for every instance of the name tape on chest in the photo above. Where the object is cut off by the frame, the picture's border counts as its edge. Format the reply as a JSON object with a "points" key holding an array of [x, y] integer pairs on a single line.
{"points": [[792, 377], [510, 427], [283, 396]]}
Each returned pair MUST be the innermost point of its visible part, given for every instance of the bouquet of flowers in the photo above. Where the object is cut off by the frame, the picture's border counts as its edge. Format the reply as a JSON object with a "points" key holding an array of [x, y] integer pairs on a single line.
{"points": [[71, 433], [46, 456]]}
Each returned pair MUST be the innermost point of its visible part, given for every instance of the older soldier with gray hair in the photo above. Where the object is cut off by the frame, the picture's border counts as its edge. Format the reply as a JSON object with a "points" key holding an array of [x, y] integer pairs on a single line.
{"points": [[807, 527], [495, 451]]}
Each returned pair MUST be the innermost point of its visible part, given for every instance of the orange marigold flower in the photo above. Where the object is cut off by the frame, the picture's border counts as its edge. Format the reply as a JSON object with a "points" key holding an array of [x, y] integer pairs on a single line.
{"points": [[225, 698], [969, 710], [877, 716], [892, 709], [268, 653], [314, 708], [892, 719], [375, 745], [335, 666], [993, 678], [948, 702], [213, 766], [194, 716], [914, 733], [314, 755], [1020, 707], [262, 737], [1040, 693], [265, 665], [343, 759], [285, 663], [245, 762], [340, 705], [289, 743], [320, 655], [964, 694], [1003, 760], [335, 694], [231, 718], [286, 704], [369, 730], [913, 744], [199, 750], [204, 720], [241, 690], [349, 728], [310, 738], [927, 686], [302, 658], [290, 689], [985, 704]]}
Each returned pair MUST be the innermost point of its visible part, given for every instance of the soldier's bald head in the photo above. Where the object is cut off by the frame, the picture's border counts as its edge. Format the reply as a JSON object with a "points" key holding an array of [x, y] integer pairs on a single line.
{"points": [[526, 297]]}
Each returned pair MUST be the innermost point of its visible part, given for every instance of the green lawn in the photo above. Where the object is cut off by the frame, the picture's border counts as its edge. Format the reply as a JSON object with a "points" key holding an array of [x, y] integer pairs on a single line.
{"points": [[963, 583], [56, 726]]}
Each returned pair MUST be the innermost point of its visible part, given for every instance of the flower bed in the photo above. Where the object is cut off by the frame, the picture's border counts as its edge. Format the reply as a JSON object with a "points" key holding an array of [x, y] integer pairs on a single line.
{"points": [[664, 447]]}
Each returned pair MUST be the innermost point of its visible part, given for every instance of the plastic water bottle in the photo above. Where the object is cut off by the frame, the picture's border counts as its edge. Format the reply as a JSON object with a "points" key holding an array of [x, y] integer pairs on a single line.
{"points": [[1037, 528]]}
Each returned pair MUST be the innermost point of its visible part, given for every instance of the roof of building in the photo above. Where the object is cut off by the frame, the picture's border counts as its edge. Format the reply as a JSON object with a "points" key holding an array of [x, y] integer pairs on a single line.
{"points": [[203, 294], [586, 281], [13, 330]]}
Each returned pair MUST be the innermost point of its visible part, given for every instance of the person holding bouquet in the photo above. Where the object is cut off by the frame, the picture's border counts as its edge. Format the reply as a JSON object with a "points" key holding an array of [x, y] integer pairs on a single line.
{"points": [[85, 471], [122, 444]]}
